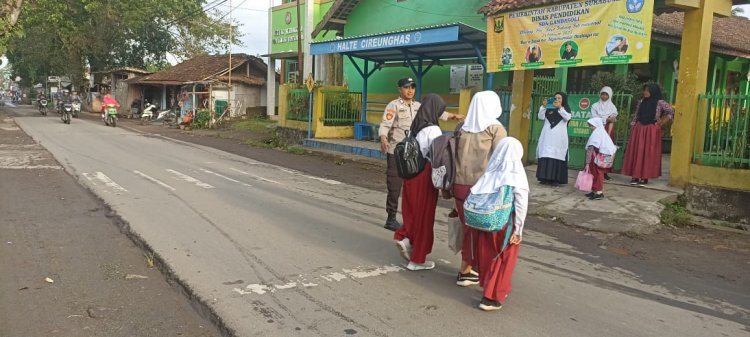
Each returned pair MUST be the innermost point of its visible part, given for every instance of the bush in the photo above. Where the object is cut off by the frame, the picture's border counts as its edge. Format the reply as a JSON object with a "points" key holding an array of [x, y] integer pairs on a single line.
{"points": [[676, 213], [200, 120]]}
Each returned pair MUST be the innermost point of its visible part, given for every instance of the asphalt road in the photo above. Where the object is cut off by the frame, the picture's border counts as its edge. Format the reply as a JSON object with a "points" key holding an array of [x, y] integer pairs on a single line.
{"points": [[275, 252]]}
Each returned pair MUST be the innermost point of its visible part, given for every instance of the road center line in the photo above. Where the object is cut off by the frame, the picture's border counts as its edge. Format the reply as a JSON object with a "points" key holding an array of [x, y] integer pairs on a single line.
{"points": [[255, 176], [190, 179], [226, 178], [154, 180]]}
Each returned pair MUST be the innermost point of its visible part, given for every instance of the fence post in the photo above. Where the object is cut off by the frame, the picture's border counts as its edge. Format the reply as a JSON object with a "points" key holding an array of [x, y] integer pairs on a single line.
{"points": [[523, 84], [283, 104]]}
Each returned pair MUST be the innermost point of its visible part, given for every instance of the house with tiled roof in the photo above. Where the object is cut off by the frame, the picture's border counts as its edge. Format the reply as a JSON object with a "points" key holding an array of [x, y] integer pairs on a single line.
{"points": [[202, 83]]}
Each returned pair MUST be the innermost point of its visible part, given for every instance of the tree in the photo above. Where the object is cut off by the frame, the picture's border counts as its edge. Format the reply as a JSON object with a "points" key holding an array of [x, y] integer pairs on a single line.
{"points": [[62, 37], [9, 12]]}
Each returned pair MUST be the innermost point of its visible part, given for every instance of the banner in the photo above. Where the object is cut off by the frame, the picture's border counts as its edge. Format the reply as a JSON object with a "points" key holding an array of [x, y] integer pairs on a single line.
{"points": [[573, 34]]}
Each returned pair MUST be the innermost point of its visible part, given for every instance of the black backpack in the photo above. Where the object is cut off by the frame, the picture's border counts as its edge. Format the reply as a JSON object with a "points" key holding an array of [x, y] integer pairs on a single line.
{"points": [[409, 159]]}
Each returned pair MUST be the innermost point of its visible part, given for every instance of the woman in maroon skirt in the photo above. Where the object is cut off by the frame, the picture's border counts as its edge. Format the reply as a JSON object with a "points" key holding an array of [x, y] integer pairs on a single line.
{"points": [[414, 239], [643, 153]]}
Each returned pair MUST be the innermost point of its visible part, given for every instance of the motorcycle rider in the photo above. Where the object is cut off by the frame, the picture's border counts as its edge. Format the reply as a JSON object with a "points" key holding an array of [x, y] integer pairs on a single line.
{"points": [[39, 100], [108, 99]]}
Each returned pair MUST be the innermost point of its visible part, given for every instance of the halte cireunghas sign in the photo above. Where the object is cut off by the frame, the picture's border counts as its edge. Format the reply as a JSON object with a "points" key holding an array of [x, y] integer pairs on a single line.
{"points": [[573, 34]]}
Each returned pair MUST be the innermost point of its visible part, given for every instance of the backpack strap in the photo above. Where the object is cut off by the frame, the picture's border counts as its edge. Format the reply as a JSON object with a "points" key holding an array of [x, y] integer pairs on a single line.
{"points": [[508, 230]]}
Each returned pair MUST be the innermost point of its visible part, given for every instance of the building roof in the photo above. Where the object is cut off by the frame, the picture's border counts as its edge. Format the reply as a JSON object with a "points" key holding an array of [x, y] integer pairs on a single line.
{"points": [[730, 34], [496, 6], [249, 80], [336, 17], [201, 68], [124, 70]]}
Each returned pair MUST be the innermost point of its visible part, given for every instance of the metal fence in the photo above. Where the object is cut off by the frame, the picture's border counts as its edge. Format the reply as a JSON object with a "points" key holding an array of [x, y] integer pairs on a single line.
{"points": [[297, 100], [341, 108], [723, 134], [546, 85]]}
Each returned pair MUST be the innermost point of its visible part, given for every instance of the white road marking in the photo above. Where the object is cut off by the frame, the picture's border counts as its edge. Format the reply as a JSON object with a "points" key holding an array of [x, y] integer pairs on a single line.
{"points": [[226, 178], [109, 182], [327, 181], [190, 179], [31, 167], [154, 180], [301, 281], [255, 176]]}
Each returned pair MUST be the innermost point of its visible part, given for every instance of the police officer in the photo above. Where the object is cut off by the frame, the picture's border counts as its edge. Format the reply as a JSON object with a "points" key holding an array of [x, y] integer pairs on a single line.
{"points": [[397, 118]]}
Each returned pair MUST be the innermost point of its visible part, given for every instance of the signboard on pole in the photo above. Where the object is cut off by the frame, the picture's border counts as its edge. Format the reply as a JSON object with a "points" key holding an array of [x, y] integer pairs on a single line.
{"points": [[571, 34]]}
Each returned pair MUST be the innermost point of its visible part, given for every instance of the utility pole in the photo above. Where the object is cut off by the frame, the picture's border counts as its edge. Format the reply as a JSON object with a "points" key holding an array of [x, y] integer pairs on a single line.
{"points": [[271, 72], [309, 17], [229, 90], [300, 63]]}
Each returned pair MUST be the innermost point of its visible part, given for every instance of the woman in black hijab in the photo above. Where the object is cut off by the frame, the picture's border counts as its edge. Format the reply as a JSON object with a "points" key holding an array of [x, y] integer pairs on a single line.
{"points": [[414, 239], [428, 114], [552, 149], [643, 152]]}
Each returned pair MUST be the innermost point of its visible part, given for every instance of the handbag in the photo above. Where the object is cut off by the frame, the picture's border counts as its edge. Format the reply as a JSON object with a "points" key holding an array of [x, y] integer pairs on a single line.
{"points": [[604, 161], [455, 234], [489, 212], [585, 180]]}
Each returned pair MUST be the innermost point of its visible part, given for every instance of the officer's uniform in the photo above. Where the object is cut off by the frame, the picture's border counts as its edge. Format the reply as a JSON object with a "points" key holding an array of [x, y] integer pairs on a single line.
{"points": [[397, 118]]}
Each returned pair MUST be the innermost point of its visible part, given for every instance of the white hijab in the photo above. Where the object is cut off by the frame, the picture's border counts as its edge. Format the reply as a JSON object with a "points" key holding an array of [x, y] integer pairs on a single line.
{"points": [[505, 168], [600, 139], [484, 110], [604, 109]]}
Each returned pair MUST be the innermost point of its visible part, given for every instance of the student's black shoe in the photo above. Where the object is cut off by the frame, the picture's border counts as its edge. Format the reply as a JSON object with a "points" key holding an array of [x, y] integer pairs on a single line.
{"points": [[634, 181], [643, 182], [597, 196], [489, 305], [468, 279], [607, 177], [589, 195]]}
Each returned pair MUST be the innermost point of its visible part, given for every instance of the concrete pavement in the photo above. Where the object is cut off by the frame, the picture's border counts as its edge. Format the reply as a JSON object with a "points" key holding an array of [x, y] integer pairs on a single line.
{"points": [[275, 252]]}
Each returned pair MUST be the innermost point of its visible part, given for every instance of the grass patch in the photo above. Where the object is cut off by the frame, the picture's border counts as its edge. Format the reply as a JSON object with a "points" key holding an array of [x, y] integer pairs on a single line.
{"points": [[676, 213], [295, 150], [259, 125]]}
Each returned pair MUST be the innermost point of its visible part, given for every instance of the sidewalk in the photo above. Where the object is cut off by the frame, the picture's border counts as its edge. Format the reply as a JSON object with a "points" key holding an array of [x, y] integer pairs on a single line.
{"points": [[624, 209]]}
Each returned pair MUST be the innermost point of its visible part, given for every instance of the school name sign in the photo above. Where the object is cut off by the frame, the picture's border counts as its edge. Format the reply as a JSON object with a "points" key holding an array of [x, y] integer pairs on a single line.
{"points": [[385, 41], [573, 34]]}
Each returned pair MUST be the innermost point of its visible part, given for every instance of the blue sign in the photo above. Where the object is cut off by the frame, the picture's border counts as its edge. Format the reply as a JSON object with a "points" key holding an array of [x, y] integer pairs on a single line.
{"points": [[386, 41]]}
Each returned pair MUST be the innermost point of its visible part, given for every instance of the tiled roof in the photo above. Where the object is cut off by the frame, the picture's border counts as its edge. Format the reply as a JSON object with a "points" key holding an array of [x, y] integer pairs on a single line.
{"points": [[201, 68], [251, 80], [729, 34]]}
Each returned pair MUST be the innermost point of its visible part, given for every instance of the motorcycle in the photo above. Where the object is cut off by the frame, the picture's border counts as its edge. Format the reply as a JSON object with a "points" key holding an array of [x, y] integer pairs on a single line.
{"points": [[167, 116], [67, 112], [76, 108], [110, 118], [43, 107], [148, 113]]}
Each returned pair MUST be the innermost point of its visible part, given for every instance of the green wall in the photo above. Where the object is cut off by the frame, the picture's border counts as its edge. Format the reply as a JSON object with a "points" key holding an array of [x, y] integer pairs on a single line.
{"points": [[378, 16], [284, 35]]}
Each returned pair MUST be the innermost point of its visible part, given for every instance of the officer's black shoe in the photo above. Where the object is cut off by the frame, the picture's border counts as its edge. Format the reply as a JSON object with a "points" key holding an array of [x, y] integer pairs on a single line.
{"points": [[392, 224]]}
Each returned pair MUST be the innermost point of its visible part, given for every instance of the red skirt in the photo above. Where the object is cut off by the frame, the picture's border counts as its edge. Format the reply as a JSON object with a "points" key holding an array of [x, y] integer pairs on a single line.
{"points": [[643, 152], [470, 245], [418, 203], [496, 268]]}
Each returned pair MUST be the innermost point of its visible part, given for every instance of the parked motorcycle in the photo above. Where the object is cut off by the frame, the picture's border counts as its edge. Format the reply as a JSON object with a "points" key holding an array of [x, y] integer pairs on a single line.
{"points": [[148, 112], [67, 112], [167, 116], [43, 107], [110, 118]]}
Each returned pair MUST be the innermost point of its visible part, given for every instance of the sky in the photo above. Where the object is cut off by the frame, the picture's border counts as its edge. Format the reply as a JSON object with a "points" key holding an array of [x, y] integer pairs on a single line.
{"points": [[253, 15]]}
